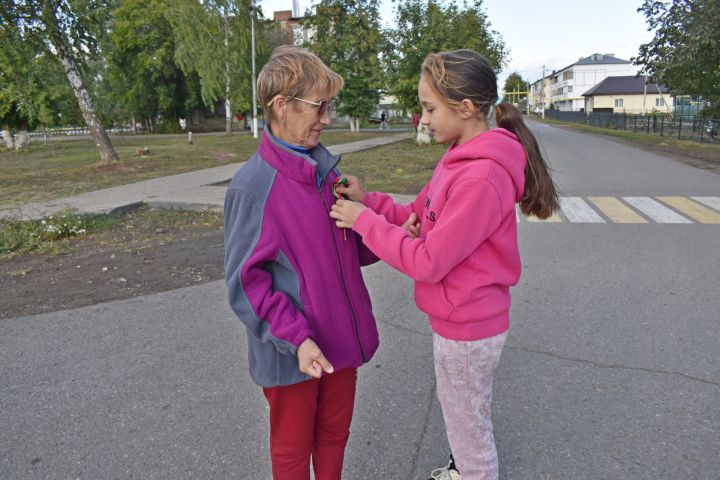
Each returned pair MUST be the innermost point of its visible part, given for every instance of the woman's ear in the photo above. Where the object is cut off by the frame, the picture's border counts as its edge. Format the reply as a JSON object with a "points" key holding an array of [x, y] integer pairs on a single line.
{"points": [[279, 106], [467, 109]]}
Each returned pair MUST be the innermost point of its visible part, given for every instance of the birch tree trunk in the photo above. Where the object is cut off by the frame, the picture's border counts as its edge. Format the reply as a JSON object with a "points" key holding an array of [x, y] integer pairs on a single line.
{"points": [[102, 141], [7, 137], [228, 107], [352, 124], [23, 139]]}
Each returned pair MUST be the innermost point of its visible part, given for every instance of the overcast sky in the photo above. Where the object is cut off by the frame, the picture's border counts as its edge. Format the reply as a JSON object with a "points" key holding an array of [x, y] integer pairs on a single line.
{"points": [[554, 34]]}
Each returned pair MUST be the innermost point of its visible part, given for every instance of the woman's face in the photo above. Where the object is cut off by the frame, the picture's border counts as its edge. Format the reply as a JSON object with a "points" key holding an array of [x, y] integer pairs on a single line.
{"points": [[298, 121]]}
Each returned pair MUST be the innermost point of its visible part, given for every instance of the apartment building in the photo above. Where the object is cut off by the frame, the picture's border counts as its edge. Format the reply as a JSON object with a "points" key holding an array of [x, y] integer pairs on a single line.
{"points": [[540, 93], [568, 84]]}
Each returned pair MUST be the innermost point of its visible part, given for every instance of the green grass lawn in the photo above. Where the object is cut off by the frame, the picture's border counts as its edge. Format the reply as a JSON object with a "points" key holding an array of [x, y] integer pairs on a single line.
{"points": [[65, 232], [70, 167], [402, 167]]}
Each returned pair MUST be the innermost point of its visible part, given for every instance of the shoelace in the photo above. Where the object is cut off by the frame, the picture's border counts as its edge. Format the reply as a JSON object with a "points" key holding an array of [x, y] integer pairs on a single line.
{"points": [[441, 474]]}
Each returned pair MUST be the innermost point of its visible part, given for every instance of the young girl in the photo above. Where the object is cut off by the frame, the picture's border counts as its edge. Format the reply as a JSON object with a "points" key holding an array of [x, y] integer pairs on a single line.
{"points": [[464, 255]]}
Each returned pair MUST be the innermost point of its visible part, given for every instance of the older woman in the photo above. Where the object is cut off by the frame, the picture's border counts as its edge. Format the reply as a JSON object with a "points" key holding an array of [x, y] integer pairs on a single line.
{"points": [[293, 277]]}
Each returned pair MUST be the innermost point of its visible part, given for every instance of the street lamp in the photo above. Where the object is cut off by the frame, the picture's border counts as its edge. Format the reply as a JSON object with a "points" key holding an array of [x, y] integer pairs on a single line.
{"points": [[254, 82]]}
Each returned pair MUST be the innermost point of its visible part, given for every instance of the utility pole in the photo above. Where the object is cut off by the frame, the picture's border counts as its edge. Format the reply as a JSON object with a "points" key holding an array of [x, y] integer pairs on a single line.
{"points": [[542, 93], [254, 81], [645, 95]]}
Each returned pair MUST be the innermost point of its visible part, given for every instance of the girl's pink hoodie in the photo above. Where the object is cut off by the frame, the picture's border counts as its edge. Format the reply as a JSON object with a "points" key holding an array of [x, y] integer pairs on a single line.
{"points": [[466, 257]]}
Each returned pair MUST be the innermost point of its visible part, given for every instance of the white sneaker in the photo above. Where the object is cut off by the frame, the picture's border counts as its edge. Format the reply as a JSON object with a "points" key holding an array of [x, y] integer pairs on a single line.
{"points": [[446, 473]]}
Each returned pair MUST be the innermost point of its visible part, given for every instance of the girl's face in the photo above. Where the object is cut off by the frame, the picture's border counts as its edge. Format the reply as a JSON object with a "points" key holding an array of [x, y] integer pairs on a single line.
{"points": [[447, 124], [299, 121]]}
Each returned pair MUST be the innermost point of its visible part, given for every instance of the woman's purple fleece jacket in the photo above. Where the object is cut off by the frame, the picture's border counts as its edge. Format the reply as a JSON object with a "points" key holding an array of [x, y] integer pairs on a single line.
{"points": [[291, 273]]}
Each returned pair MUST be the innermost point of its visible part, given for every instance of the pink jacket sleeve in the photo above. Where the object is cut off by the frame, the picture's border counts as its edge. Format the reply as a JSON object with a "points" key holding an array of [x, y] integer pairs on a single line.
{"points": [[395, 214], [471, 213]]}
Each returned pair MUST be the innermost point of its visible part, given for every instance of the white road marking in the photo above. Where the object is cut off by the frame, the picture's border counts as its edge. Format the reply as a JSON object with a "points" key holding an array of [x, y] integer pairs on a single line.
{"points": [[577, 211], [712, 202], [655, 210]]}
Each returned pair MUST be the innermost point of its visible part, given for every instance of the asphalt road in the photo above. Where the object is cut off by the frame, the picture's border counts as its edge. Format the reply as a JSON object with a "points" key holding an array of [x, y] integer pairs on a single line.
{"points": [[612, 368]]}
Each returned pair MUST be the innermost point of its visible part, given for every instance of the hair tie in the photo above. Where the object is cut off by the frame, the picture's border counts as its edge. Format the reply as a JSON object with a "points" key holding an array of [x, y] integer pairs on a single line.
{"points": [[498, 101]]}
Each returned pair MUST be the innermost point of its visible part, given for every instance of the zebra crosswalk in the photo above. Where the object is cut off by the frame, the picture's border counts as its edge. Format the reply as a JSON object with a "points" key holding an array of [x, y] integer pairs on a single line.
{"points": [[634, 210]]}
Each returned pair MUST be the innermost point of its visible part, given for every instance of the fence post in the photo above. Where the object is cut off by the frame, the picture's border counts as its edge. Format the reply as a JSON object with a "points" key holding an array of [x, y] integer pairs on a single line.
{"points": [[702, 128], [635, 125], [662, 124], [680, 127], [647, 127]]}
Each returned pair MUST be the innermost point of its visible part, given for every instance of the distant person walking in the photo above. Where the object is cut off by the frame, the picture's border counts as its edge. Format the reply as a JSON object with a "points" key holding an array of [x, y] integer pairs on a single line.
{"points": [[383, 120], [293, 277], [463, 254], [415, 119]]}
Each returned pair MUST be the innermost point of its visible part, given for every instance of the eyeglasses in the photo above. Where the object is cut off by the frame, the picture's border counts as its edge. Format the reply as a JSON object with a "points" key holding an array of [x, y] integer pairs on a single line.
{"points": [[323, 106]]}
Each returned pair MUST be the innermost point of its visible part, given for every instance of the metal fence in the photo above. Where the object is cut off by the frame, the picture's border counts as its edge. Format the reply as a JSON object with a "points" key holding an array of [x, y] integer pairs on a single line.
{"points": [[685, 127]]}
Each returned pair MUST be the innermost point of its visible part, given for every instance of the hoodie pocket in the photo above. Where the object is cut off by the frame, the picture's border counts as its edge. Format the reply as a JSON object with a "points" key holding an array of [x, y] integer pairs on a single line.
{"points": [[432, 299]]}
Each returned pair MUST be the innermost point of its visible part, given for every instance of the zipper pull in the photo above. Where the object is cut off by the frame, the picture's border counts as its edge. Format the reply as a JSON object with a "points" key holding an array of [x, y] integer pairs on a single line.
{"points": [[345, 234]]}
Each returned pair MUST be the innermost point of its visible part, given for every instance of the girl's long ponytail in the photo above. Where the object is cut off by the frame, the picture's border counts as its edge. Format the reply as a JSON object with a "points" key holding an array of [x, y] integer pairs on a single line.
{"points": [[540, 197]]}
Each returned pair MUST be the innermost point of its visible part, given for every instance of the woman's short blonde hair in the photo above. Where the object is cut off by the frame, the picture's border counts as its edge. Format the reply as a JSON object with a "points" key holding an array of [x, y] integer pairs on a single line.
{"points": [[294, 72]]}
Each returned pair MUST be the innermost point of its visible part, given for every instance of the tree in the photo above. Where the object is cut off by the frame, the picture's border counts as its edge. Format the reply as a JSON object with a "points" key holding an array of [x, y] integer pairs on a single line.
{"points": [[348, 38], [32, 93], [684, 55], [212, 38], [515, 83], [143, 80], [18, 85], [426, 26], [32, 90], [68, 30]]}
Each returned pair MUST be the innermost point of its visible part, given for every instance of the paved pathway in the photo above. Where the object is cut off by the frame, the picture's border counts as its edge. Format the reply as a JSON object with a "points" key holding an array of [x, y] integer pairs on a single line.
{"points": [[198, 190]]}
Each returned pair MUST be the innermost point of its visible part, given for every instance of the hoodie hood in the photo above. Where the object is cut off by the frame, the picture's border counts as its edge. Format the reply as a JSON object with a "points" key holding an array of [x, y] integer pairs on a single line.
{"points": [[498, 145]]}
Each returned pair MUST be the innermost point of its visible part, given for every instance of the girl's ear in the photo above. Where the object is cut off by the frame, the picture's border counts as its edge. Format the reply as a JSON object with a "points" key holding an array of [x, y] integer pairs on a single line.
{"points": [[467, 109]]}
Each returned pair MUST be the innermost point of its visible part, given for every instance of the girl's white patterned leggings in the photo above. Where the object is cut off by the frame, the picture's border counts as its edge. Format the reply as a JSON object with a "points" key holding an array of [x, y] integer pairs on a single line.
{"points": [[464, 375]]}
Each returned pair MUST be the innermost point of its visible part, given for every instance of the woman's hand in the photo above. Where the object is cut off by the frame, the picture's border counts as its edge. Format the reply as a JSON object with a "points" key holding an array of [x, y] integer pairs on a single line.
{"points": [[311, 360], [353, 190], [345, 212], [412, 226]]}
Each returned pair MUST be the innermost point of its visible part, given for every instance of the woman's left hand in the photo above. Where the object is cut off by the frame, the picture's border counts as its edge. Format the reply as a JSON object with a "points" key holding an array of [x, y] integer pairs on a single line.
{"points": [[345, 212]]}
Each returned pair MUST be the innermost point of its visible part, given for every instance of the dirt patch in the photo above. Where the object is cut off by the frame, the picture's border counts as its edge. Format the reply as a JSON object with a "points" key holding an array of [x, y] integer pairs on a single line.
{"points": [[95, 271]]}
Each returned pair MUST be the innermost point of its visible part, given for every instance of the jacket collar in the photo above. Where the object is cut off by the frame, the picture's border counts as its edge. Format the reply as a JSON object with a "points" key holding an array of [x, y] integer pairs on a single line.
{"points": [[300, 167]]}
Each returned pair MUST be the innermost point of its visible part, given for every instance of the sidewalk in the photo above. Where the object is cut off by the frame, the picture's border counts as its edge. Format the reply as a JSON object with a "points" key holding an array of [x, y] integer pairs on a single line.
{"points": [[198, 190]]}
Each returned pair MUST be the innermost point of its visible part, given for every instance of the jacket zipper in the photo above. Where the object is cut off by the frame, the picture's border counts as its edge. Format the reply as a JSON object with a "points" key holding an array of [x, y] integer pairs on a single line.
{"points": [[356, 327]]}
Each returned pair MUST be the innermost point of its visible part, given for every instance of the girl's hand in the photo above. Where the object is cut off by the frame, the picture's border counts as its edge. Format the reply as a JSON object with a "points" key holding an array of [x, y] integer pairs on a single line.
{"points": [[353, 190], [412, 226], [345, 212]]}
